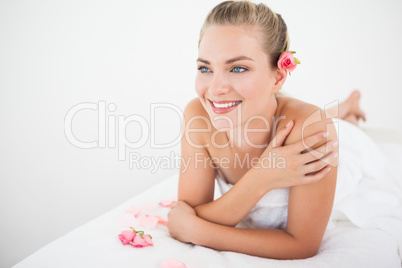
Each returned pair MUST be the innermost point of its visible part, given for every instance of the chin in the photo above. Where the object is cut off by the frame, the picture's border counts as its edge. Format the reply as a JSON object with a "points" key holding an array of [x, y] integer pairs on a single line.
{"points": [[223, 123], [221, 126]]}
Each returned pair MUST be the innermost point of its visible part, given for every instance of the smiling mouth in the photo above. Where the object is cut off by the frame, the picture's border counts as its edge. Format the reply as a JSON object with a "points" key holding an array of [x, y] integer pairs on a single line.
{"points": [[221, 107]]}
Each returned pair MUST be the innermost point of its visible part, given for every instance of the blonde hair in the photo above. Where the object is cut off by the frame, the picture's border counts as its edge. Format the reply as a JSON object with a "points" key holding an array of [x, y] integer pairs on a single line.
{"points": [[271, 25]]}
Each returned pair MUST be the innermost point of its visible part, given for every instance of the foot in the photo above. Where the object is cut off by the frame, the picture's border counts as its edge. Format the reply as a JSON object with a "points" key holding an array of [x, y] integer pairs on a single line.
{"points": [[349, 110], [352, 119], [352, 105]]}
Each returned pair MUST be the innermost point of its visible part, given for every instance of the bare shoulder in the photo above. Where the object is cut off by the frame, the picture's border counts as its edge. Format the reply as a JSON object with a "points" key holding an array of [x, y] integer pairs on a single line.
{"points": [[308, 119], [196, 118], [195, 106], [195, 111]]}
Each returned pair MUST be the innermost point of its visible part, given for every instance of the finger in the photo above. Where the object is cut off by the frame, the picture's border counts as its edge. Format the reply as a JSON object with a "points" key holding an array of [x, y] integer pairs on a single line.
{"points": [[317, 176], [281, 135], [307, 142], [318, 153], [173, 204], [319, 164]]}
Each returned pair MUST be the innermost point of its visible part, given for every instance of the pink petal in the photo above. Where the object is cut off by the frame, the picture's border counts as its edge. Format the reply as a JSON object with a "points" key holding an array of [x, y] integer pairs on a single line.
{"points": [[148, 239], [149, 206], [134, 211], [126, 237], [148, 221], [172, 263], [161, 220], [139, 242], [123, 240], [129, 234], [167, 203], [127, 220]]}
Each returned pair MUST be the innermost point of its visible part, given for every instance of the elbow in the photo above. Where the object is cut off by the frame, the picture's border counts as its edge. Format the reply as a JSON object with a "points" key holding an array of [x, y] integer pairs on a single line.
{"points": [[298, 252], [309, 253], [306, 250], [301, 248]]}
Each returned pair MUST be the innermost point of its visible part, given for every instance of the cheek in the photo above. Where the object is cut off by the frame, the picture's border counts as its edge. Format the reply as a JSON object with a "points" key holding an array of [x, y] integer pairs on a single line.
{"points": [[251, 87], [201, 85]]}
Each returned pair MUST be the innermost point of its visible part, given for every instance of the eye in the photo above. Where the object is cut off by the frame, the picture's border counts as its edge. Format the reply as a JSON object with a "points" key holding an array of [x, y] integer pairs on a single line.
{"points": [[238, 69], [203, 69]]}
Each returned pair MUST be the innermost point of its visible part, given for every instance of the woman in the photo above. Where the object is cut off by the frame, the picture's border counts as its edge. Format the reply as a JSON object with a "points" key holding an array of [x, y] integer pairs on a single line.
{"points": [[230, 133]]}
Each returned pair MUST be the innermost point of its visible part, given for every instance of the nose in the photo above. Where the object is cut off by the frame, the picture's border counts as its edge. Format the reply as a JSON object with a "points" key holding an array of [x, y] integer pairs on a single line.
{"points": [[219, 85]]}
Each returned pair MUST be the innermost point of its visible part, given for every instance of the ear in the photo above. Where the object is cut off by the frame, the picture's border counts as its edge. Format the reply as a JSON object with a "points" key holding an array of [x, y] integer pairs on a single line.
{"points": [[280, 78]]}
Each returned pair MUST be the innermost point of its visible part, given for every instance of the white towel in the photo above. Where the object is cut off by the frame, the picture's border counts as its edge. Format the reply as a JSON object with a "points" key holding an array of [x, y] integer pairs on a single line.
{"points": [[368, 192]]}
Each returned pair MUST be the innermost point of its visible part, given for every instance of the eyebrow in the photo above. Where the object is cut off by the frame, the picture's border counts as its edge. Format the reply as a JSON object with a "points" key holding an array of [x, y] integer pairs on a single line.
{"points": [[228, 61]]}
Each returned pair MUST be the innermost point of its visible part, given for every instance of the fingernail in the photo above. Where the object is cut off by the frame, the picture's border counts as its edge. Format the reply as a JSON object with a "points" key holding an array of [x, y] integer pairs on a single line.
{"points": [[325, 134], [335, 144], [288, 124], [328, 169], [335, 155]]}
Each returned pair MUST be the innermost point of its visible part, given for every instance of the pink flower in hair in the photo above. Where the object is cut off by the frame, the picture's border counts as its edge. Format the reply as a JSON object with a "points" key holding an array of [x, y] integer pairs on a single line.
{"points": [[287, 61]]}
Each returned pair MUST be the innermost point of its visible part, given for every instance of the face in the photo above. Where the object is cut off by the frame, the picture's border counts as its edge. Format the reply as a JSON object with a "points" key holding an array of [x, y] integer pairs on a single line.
{"points": [[234, 80]]}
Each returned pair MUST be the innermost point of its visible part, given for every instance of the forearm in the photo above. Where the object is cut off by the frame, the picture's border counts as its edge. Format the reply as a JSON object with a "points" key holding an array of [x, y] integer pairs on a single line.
{"points": [[234, 205], [266, 243]]}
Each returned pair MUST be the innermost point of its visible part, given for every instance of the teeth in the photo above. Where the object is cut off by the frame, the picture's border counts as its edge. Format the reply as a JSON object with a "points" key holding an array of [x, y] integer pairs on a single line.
{"points": [[225, 105]]}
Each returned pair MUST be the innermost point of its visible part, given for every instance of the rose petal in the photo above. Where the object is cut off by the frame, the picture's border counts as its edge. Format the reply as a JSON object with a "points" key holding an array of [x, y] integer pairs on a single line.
{"points": [[172, 263], [149, 206], [149, 222], [134, 211], [167, 203], [126, 236], [140, 242], [148, 239], [161, 220]]}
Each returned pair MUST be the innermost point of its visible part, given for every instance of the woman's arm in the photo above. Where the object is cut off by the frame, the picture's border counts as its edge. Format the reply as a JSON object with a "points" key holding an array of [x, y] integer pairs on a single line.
{"points": [[196, 183], [310, 205], [309, 209], [267, 243]]}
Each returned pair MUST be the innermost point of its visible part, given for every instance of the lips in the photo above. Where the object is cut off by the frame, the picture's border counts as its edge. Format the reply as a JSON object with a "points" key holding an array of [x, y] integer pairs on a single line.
{"points": [[222, 107]]}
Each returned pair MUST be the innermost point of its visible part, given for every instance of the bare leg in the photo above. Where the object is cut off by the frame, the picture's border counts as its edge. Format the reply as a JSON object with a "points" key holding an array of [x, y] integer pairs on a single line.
{"points": [[349, 110]]}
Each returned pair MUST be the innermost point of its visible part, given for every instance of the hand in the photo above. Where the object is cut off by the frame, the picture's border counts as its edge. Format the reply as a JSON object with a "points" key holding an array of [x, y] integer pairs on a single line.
{"points": [[297, 163], [180, 221]]}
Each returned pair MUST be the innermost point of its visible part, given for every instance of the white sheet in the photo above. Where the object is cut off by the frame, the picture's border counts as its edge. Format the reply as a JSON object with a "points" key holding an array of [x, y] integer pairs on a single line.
{"points": [[368, 192], [95, 244]]}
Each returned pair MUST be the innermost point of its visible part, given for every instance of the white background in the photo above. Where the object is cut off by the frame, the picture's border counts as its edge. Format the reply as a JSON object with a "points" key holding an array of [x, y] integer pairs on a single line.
{"points": [[55, 55]]}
